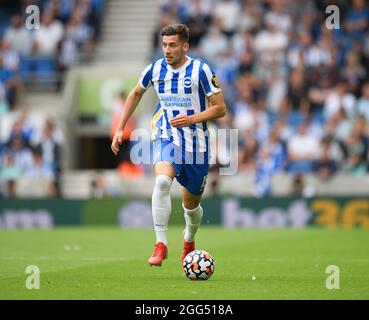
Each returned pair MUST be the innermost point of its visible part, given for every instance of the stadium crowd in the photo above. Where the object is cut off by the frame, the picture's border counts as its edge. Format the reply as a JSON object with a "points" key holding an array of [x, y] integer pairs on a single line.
{"points": [[30, 157], [297, 91], [30, 151], [66, 35], [288, 80]]}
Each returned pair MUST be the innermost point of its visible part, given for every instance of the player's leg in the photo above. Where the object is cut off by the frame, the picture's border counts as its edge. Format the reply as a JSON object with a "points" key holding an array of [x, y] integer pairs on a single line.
{"points": [[161, 209], [193, 214], [161, 202], [191, 197]]}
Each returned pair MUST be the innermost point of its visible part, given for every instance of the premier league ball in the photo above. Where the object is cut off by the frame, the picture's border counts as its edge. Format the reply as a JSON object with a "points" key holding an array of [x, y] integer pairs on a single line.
{"points": [[198, 265]]}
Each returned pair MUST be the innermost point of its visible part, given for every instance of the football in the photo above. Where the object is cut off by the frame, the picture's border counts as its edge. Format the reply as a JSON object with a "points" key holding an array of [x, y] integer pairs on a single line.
{"points": [[198, 265]]}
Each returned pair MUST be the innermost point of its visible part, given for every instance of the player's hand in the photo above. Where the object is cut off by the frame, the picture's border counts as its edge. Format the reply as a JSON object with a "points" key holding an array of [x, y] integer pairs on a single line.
{"points": [[117, 141], [181, 120]]}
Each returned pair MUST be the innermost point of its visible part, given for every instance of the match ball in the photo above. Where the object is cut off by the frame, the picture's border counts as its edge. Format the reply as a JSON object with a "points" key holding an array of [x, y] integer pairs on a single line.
{"points": [[198, 265]]}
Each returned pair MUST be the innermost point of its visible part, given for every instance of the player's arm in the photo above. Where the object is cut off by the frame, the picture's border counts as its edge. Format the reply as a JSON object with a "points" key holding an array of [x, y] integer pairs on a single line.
{"points": [[217, 109], [132, 101]]}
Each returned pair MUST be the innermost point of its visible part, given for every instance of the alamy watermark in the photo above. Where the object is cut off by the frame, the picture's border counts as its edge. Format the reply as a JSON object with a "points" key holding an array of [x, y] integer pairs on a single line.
{"points": [[33, 17], [33, 280], [333, 20], [214, 147], [333, 280]]}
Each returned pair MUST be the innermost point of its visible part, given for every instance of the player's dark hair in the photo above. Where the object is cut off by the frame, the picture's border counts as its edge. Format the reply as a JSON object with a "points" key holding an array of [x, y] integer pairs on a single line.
{"points": [[177, 29]]}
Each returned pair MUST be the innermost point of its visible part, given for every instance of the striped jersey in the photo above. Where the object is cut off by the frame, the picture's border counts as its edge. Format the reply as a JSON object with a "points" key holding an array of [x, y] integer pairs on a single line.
{"points": [[182, 90]]}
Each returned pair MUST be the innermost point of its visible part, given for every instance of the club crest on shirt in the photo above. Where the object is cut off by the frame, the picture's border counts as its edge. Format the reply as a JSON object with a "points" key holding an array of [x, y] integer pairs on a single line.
{"points": [[214, 81], [187, 82]]}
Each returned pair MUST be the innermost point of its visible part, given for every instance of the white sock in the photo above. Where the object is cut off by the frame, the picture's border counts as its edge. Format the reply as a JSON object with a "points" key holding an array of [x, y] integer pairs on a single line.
{"points": [[161, 207], [193, 220]]}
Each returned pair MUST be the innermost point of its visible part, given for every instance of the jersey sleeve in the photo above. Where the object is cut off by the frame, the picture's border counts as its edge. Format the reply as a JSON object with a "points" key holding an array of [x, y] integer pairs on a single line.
{"points": [[146, 77], [209, 80]]}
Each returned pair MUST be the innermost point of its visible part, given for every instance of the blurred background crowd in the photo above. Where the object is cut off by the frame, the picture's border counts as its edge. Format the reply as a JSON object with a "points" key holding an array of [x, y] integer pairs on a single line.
{"points": [[288, 80], [297, 91], [32, 51], [32, 56]]}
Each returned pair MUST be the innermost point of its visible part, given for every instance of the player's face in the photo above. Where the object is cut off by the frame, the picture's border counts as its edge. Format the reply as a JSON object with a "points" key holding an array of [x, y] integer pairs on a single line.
{"points": [[174, 50]]}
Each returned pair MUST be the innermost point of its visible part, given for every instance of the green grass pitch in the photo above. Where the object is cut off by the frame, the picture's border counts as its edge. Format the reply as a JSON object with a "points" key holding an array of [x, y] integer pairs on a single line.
{"points": [[111, 263]]}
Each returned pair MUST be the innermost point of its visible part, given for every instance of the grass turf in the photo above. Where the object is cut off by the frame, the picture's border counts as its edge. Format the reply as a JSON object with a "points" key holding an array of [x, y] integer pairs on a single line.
{"points": [[110, 263]]}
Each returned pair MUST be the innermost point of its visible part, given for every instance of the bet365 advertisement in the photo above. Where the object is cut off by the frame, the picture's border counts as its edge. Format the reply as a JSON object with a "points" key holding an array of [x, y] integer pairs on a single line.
{"points": [[230, 212]]}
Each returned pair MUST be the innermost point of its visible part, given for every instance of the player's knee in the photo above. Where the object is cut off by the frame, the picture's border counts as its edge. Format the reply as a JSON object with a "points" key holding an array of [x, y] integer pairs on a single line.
{"points": [[190, 205], [163, 183]]}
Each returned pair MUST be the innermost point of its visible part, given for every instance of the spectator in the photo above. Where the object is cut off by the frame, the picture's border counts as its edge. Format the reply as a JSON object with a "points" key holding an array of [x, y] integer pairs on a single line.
{"points": [[98, 187], [278, 151], [357, 19], [39, 170], [285, 132], [226, 67], [363, 102], [213, 43], [10, 57], [18, 131], [339, 97], [197, 25], [175, 8], [355, 154], [62, 9], [279, 18], [276, 92], [247, 152], [271, 159], [252, 14], [241, 42], [21, 154], [298, 50], [297, 93], [325, 167], [9, 82], [48, 37], [199, 8], [81, 33], [83, 9], [228, 12], [19, 37], [3, 101], [321, 81], [353, 73], [246, 62], [361, 126], [340, 125], [303, 149], [263, 172], [68, 52], [322, 52], [315, 127], [270, 45], [50, 141], [9, 175], [243, 107]]}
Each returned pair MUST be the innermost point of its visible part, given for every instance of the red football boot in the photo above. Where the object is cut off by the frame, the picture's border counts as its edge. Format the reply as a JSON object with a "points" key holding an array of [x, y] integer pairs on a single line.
{"points": [[160, 253], [187, 248]]}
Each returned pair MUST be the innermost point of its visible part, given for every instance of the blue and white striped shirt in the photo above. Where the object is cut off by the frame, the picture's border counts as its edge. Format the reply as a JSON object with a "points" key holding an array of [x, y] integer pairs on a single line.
{"points": [[181, 90]]}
